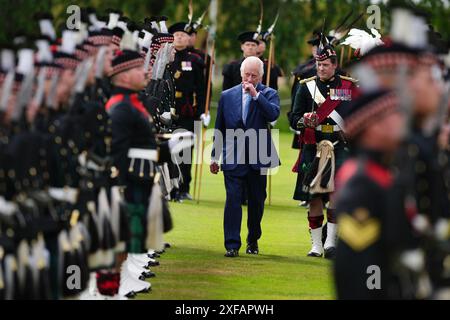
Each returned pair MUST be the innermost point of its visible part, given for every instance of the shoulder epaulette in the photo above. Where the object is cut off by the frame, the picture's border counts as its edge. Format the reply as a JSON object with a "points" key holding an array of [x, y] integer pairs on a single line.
{"points": [[349, 79], [195, 54], [308, 79]]}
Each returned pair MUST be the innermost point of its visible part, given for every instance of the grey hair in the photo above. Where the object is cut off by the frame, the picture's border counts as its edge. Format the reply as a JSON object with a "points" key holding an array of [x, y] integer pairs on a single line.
{"points": [[249, 60]]}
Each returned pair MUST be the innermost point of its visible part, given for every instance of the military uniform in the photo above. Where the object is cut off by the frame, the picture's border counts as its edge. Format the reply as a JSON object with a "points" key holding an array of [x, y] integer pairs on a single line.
{"points": [[232, 74], [135, 154], [376, 240], [206, 58], [188, 72], [275, 73], [362, 223], [329, 129]]}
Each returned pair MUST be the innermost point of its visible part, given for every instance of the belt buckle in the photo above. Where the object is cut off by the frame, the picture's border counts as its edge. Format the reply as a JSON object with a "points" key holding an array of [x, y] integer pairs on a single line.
{"points": [[178, 94], [327, 128]]}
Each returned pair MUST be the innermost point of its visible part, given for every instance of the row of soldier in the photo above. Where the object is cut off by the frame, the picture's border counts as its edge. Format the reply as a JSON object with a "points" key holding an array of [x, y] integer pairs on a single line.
{"points": [[374, 152], [88, 121]]}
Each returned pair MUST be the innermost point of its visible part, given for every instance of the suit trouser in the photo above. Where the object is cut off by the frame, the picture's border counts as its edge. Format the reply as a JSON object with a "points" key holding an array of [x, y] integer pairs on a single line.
{"points": [[256, 186]]}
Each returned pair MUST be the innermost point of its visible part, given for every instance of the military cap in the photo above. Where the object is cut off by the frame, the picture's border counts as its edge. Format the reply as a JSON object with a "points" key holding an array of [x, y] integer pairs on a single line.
{"points": [[180, 27], [367, 109], [126, 60], [325, 53], [251, 36]]}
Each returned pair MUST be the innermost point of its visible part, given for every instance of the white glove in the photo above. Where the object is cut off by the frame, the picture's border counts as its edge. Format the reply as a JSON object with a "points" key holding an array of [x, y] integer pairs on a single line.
{"points": [[181, 141], [206, 118], [166, 118]]}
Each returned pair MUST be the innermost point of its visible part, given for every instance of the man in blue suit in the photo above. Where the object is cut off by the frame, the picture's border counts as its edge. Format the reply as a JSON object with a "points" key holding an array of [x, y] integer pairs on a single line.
{"points": [[242, 138]]}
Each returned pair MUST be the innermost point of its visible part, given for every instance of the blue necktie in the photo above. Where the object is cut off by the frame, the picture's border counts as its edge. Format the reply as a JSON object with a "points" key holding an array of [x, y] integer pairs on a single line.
{"points": [[246, 106]]}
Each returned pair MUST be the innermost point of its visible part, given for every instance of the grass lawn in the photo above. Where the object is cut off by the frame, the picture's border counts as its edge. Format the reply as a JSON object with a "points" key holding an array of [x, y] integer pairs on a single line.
{"points": [[195, 268]]}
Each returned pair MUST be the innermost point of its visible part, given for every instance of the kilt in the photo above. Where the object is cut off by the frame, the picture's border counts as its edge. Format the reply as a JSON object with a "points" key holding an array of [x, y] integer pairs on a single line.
{"points": [[307, 157], [137, 195]]}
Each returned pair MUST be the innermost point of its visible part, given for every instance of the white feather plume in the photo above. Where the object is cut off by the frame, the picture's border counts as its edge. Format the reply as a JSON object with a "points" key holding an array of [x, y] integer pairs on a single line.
{"points": [[122, 25], [25, 63], [7, 59], [44, 53], [147, 40], [47, 29], [362, 40], [409, 29], [113, 20], [69, 41], [128, 42], [96, 25], [163, 26], [155, 26]]}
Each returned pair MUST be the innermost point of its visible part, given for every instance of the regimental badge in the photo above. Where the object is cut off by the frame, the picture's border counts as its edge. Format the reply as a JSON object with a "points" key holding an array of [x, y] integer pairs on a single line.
{"points": [[341, 94], [186, 65], [177, 74]]}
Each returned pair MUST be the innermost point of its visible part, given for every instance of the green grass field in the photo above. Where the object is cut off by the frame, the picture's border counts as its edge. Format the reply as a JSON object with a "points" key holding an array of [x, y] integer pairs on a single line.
{"points": [[195, 268]]}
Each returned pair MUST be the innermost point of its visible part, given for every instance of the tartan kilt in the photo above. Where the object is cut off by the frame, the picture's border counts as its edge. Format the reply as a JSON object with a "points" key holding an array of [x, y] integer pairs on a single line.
{"points": [[137, 195], [307, 157]]}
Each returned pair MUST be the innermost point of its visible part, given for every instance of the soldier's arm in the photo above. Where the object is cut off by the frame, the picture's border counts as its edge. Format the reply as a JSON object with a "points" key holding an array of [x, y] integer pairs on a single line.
{"points": [[121, 127], [200, 89], [299, 106]]}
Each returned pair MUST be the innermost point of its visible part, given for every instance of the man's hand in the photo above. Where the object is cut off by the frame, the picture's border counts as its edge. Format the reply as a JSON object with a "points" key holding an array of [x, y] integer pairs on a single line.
{"points": [[310, 120], [250, 88], [214, 167]]}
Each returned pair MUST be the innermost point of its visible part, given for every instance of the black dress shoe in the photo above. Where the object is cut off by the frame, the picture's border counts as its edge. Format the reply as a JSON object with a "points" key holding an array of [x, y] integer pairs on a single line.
{"points": [[330, 253], [232, 253], [152, 264], [252, 248], [146, 274], [130, 295], [154, 255]]}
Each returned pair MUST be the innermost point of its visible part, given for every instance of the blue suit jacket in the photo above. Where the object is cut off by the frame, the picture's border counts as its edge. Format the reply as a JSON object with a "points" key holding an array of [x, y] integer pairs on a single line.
{"points": [[246, 145]]}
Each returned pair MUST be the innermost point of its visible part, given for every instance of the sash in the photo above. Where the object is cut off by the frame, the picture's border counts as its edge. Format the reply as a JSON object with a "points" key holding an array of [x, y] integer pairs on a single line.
{"points": [[326, 109]]}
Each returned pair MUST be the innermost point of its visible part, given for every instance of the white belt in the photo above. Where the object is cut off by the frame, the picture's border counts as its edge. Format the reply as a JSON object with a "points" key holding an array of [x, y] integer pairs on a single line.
{"points": [[146, 154], [336, 128]]}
